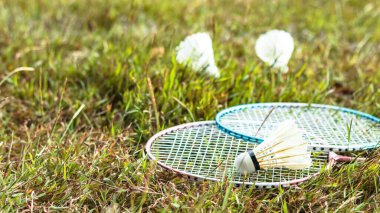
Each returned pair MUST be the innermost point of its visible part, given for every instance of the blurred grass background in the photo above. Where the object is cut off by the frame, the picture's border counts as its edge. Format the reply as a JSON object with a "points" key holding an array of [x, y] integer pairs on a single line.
{"points": [[100, 55]]}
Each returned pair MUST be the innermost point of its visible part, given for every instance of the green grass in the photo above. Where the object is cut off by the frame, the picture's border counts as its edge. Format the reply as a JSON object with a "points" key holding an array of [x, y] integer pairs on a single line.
{"points": [[56, 155]]}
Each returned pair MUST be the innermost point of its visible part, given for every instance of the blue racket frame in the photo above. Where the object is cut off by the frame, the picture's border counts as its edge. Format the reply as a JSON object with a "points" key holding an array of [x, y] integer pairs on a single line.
{"points": [[253, 139]]}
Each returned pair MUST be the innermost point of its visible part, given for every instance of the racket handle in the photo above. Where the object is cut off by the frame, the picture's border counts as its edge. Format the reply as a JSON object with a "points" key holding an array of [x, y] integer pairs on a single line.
{"points": [[340, 158]]}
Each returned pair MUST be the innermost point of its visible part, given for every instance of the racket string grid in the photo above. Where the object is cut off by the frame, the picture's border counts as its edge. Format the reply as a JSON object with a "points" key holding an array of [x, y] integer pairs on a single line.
{"points": [[326, 128], [204, 152]]}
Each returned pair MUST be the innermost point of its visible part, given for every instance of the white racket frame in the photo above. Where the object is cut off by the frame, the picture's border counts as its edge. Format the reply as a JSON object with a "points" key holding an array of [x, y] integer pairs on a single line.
{"points": [[332, 159]]}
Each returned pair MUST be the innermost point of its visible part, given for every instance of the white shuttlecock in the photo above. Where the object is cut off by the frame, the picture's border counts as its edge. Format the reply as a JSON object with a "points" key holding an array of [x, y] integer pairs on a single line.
{"points": [[196, 51], [284, 148], [275, 48]]}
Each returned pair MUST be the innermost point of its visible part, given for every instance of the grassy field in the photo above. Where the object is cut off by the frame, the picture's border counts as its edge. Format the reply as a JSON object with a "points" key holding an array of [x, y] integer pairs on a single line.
{"points": [[72, 132]]}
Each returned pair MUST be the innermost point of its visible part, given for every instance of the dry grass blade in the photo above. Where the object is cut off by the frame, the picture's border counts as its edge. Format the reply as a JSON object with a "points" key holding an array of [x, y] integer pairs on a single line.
{"points": [[20, 69], [153, 99]]}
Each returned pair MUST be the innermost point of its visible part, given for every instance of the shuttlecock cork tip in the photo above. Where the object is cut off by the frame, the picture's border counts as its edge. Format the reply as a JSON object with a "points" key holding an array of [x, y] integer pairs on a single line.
{"points": [[244, 163], [213, 71]]}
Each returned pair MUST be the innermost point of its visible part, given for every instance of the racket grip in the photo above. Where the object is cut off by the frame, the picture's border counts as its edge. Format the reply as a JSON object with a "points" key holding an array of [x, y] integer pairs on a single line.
{"points": [[340, 158]]}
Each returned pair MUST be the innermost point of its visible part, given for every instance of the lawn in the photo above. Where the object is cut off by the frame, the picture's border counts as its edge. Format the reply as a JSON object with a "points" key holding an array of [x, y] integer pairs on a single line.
{"points": [[72, 132]]}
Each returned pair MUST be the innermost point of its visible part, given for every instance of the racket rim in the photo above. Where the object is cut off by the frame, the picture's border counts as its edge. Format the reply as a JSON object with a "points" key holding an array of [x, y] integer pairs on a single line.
{"points": [[254, 139]]}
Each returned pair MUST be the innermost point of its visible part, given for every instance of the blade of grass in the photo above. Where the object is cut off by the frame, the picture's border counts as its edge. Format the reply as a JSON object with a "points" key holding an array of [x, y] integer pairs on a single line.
{"points": [[71, 121]]}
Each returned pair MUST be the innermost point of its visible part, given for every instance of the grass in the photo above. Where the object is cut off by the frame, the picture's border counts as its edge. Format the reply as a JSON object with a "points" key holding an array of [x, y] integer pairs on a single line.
{"points": [[72, 131]]}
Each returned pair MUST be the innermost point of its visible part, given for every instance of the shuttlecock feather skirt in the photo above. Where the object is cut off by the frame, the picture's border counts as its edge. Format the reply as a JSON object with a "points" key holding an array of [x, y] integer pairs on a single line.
{"points": [[284, 148]]}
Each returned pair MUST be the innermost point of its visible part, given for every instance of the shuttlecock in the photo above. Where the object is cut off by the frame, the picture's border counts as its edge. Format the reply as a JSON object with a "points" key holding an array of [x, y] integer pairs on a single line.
{"points": [[284, 148], [196, 51], [275, 48]]}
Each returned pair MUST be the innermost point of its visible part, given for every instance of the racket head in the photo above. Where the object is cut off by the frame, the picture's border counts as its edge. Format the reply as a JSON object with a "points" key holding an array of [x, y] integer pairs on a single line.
{"points": [[325, 127], [201, 151]]}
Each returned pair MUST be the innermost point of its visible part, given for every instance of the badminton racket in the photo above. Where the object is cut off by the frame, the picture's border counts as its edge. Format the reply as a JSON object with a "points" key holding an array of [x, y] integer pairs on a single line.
{"points": [[326, 128]]}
